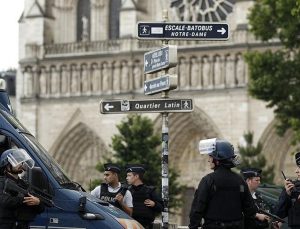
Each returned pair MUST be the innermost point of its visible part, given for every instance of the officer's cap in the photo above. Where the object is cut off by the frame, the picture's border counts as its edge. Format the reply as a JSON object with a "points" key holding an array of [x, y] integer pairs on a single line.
{"points": [[135, 168], [112, 167], [297, 158], [250, 172]]}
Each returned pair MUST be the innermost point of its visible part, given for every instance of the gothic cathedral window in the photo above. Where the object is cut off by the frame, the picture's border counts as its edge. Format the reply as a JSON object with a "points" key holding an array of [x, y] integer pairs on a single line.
{"points": [[201, 10], [114, 19]]}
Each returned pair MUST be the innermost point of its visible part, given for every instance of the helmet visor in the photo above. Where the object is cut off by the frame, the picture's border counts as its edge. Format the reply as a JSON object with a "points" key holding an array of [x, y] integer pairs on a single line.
{"points": [[20, 156], [207, 146]]}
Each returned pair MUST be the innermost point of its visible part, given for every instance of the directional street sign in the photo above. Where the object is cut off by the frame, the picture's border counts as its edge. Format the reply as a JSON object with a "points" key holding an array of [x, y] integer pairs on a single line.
{"points": [[183, 31], [146, 106], [165, 57], [163, 83]]}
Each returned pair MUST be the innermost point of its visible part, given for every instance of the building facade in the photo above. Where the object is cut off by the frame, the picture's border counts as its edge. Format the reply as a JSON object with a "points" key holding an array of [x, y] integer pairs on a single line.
{"points": [[73, 53]]}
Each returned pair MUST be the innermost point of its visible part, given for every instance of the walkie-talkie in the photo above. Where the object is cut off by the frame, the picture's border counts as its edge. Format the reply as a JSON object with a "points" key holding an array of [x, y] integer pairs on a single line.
{"points": [[285, 176]]}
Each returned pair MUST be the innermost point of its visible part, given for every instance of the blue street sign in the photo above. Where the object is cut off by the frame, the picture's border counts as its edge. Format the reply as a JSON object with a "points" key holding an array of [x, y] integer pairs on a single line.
{"points": [[183, 31], [159, 84], [165, 57], [146, 106]]}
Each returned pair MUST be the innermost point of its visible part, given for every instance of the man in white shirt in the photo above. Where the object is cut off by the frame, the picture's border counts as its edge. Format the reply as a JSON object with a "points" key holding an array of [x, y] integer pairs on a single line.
{"points": [[113, 191]]}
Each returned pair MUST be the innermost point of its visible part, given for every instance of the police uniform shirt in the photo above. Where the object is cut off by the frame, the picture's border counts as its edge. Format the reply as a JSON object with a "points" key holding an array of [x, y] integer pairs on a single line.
{"points": [[127, 200]]}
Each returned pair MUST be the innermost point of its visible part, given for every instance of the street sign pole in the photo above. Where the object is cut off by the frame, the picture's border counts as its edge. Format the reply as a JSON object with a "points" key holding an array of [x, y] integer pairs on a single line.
{"points": [[165, 153]]}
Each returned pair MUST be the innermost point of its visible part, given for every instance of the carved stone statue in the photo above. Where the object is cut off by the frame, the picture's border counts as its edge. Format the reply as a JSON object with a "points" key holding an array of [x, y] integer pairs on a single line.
{"points": [[74, 80], [28, 83], [54, 81], [116, 78], [137, 76], [85, 28], [125, 77], [187, 10], [230, 76], [105, 78], [218, 73], [195, 76], [43, 82], [194, 12], [96, 78], [206, 73], [64, 80], [85, 80], [183, 74], [240, 70]]}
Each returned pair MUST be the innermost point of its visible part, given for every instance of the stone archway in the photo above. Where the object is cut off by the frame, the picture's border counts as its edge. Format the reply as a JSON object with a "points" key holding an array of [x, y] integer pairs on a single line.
{"points": [[279, 151], [78, 151]]}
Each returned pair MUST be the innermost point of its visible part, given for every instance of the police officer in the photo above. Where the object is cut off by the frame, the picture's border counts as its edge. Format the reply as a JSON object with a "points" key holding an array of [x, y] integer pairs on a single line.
{"points": [[112, 190], [146, 203], [289, 200], [252, 177], [16, 210], [222, 198]]}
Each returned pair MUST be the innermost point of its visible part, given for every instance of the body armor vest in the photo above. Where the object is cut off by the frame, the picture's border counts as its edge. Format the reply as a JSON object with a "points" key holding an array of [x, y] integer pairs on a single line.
{"points": [[109, 196], [140, 210], [225, 202]]}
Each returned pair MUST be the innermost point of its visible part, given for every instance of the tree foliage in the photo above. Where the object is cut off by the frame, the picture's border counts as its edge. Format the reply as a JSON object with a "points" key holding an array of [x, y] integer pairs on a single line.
{"points": [[275, 75], [136, 143], [251, 156]]}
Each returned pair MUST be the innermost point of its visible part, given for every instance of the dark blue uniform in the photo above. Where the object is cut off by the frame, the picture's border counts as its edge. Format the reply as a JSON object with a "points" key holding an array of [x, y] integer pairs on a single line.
{"points": [[222, 198], [288, 206], [143, 214], [14, 214]]}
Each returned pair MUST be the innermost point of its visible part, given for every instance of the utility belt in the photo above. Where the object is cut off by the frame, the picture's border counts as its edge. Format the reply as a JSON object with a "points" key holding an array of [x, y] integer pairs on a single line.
{"points": [[223, 225]]}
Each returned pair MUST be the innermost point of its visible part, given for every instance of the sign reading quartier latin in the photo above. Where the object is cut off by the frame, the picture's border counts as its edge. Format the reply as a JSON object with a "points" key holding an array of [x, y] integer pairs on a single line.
{"points": [[144, 106], [165, 57], [183, 31]]}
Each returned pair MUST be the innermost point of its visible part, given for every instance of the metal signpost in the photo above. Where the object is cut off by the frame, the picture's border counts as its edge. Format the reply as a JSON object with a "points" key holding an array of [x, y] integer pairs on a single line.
{"points": [[165, 57], [183, 31], [172, 31]]}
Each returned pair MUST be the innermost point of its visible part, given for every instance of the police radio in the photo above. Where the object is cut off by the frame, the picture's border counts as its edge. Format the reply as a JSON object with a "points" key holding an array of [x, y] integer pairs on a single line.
{"points": [[295, 191]]}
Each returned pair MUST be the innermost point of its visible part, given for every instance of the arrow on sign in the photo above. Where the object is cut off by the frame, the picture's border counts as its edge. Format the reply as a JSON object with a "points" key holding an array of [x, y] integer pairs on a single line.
{"points": [[145, 87], [107, 107], [222, 30], [146, 63]]}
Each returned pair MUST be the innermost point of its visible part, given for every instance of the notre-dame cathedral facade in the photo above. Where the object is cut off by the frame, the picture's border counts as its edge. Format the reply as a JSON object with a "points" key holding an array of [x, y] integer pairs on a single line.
{"points": [[73, 53]]}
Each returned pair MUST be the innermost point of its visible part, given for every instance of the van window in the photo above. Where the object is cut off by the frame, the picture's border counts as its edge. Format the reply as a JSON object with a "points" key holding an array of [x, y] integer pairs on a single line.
{"points": [[53, 167]]}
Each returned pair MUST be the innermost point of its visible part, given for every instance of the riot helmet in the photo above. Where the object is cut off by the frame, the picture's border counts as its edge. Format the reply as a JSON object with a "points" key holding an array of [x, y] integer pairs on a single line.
{"points": [[218, 149], [15, 157]]}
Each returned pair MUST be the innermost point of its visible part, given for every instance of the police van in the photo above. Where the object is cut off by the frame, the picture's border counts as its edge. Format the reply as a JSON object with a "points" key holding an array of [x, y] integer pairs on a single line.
{"points": [[69, 205]]}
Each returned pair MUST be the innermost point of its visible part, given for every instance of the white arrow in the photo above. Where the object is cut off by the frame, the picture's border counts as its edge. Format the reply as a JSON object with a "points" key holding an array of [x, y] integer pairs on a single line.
{"points": [[221, 30], [107, 107], [145, 87], [146, 63]]}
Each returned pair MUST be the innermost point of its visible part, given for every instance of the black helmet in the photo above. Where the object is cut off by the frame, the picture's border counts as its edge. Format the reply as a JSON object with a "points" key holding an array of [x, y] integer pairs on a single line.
{"points": [[218, 149]]}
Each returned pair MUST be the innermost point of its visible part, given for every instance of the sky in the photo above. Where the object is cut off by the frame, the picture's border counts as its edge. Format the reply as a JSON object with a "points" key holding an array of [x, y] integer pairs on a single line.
{"points": [[10, 12]]}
